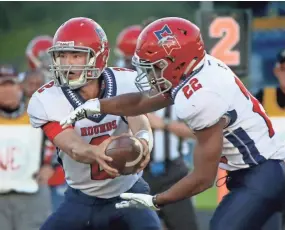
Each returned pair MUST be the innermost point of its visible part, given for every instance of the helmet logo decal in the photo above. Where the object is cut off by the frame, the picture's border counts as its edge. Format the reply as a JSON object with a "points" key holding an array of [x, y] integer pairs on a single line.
{"points": [[167, 39]]}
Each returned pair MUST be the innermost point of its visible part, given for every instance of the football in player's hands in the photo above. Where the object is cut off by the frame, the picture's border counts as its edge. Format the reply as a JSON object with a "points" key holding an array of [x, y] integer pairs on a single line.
{"points": [[127, 153]]}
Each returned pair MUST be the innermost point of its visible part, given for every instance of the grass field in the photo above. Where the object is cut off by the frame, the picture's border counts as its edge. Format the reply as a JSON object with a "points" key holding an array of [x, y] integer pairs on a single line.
{"points": [[206, 200]]}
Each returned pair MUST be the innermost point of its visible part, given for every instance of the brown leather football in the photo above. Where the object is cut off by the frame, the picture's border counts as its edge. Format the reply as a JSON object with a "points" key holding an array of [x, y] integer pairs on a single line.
{"points": [[127, 154]]}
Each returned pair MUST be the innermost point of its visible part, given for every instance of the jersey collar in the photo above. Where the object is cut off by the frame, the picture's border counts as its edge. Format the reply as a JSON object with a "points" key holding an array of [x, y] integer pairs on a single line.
{"points": [[109, 88]]}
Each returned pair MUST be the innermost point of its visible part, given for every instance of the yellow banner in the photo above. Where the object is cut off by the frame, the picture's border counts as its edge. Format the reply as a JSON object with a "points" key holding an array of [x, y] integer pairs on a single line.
{"points": [[268, 23]]}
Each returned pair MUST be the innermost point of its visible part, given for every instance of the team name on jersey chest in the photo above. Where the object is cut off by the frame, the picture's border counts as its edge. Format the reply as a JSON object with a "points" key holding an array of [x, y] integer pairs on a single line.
{"points": [[98, 129]]}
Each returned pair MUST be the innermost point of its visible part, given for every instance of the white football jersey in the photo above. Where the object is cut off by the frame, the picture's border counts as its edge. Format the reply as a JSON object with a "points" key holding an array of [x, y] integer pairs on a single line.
{"points": [[51, 103], [213, 91]]}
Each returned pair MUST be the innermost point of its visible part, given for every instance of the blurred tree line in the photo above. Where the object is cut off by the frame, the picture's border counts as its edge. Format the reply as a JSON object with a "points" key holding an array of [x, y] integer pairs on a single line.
{"points": [[21, 21]]}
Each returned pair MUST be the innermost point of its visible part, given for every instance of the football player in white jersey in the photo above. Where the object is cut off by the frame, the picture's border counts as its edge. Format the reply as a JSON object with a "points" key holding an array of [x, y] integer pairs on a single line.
{"points": [[231, 127], [79, 58]]}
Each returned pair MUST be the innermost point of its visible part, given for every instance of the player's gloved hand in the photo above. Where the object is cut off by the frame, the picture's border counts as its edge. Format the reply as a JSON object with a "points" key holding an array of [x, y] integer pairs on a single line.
{"points": [[136, 200], [89, 108]]}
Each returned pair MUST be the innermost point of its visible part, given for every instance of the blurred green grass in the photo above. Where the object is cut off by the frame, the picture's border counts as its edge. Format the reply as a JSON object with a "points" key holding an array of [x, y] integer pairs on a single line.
{"points": [[207, 200]]}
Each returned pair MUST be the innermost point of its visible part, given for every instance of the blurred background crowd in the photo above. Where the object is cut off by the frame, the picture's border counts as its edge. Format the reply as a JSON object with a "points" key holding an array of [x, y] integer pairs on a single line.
{"points": [[26, 30]]}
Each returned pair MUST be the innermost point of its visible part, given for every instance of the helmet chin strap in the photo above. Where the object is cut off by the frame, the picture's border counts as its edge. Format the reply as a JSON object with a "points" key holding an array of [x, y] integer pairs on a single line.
{"points": [[77, 85], [84, 84]]}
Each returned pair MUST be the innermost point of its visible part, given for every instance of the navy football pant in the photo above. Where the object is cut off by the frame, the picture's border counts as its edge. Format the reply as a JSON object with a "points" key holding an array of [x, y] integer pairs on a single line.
{"points": [[82, 212], [255, 195]]}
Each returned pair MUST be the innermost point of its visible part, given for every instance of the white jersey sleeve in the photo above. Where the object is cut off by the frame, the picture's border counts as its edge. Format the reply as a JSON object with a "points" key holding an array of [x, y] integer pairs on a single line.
{"points": [[37, 113], [203, 109]]}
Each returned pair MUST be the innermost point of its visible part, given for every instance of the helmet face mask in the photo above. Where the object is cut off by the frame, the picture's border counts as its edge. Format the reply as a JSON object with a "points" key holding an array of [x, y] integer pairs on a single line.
{"points": [[61, 71], [150, 77], [84, 38]]}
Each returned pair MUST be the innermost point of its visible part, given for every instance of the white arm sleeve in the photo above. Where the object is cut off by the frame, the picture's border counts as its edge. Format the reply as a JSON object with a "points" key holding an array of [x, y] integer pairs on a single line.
{"points": [[36, 112], [204, 109]]}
